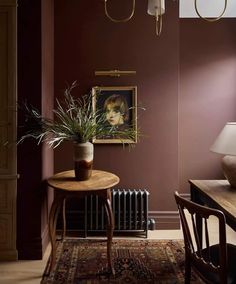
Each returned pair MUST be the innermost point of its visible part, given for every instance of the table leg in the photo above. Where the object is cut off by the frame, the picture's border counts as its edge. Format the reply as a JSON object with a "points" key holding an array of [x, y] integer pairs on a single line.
{"points": [[56, 205], [195, 198], [64, 219], [110, 228]]}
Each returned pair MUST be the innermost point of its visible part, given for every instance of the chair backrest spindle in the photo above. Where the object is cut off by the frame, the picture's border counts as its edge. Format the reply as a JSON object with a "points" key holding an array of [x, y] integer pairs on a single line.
{"points": [[208, 260]]}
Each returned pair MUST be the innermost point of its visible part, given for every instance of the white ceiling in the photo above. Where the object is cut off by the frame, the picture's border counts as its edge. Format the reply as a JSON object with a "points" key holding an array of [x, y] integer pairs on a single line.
{"points": [[207, 8]]}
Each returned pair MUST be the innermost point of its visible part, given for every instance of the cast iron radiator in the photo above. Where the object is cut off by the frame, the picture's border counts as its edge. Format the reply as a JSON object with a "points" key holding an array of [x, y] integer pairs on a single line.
{"points": [[130, 209]]}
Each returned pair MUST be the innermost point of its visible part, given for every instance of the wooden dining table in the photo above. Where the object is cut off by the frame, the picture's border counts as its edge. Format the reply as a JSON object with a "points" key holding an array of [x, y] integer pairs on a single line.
{"points": [[216, 194]]}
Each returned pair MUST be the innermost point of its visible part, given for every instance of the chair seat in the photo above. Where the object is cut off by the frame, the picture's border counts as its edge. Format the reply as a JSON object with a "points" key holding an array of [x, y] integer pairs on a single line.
{"points": [[214, 256]]}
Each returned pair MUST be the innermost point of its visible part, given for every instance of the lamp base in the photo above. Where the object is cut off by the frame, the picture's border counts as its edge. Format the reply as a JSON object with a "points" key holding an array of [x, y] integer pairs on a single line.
{"points": [[229, 169]]}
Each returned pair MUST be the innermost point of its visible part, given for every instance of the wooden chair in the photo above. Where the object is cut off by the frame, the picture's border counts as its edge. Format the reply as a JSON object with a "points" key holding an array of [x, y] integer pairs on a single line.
{"points": [[214, 263]]}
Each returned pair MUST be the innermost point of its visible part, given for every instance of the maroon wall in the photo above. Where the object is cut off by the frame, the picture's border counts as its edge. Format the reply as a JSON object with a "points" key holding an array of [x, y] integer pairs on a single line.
{"points": [[85, 41], [35, 163], [185, 79], [47, 101], [207, 94], [29, 155]]}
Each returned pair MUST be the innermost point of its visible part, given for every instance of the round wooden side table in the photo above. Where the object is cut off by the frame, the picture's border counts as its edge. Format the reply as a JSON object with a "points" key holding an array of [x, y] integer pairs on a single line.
{"points": [[66, 186]]}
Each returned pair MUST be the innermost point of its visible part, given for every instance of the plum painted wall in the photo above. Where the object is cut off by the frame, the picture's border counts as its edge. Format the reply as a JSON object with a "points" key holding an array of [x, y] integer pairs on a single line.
{"points": [[207, 94], [185, 80], [85, 41], [35, 162]]}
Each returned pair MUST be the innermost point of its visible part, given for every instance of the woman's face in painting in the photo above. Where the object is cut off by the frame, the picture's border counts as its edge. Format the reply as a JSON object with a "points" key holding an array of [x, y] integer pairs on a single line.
{"points": [[114, 116]]}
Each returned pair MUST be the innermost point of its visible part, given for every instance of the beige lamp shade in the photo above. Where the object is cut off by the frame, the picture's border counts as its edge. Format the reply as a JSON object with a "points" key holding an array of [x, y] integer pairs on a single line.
{"points": [[226, 144], [226, 141], [156, 7]]}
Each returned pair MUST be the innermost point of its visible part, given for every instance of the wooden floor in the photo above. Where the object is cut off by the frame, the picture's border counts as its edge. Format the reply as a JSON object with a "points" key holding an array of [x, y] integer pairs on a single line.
{"points": [[30, 272]]}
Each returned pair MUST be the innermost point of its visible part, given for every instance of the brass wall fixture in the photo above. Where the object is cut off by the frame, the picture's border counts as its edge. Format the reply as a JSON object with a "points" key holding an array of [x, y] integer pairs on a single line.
{"points": [[213, 19], [156, 8], [120, 20], [114, 73]]}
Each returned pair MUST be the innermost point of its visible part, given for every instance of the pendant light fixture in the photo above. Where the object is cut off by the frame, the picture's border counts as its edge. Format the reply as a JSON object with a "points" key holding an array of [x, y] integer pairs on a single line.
{"points": [[210, 19], [118, 20], [156, 8]]}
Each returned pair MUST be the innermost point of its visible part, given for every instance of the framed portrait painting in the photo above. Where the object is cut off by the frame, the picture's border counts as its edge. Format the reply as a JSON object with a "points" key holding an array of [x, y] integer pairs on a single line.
{"points": [[119, 106]]}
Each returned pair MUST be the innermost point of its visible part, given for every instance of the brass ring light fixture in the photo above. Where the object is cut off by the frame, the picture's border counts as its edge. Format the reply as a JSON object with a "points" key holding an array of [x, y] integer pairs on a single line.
{"points": [[157, 8], [207, 19], [158, 25], [121, 20]]}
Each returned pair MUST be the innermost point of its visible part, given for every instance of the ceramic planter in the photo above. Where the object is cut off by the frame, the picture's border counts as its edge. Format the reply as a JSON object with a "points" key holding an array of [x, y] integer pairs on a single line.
{"points": [[83, 160]]}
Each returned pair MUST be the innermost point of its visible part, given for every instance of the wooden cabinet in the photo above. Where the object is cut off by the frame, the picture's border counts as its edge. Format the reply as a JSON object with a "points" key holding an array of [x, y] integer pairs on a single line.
{"points": [[8, 114]]}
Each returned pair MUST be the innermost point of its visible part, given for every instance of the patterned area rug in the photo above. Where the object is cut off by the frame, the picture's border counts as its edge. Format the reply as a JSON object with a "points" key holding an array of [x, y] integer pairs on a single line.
{"points": [[135, 261]]}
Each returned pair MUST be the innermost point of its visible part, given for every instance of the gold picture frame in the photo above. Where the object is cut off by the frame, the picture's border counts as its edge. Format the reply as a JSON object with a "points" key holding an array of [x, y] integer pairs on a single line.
{"points": [[125, 94]]}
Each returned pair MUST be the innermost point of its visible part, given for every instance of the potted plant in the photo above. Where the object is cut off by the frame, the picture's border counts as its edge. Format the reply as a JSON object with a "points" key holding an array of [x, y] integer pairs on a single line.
{"points": [[75, 120]]}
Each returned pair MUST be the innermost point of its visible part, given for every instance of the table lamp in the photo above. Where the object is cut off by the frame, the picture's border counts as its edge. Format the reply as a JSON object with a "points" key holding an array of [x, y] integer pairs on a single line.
{"points": [[225, 144]]}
